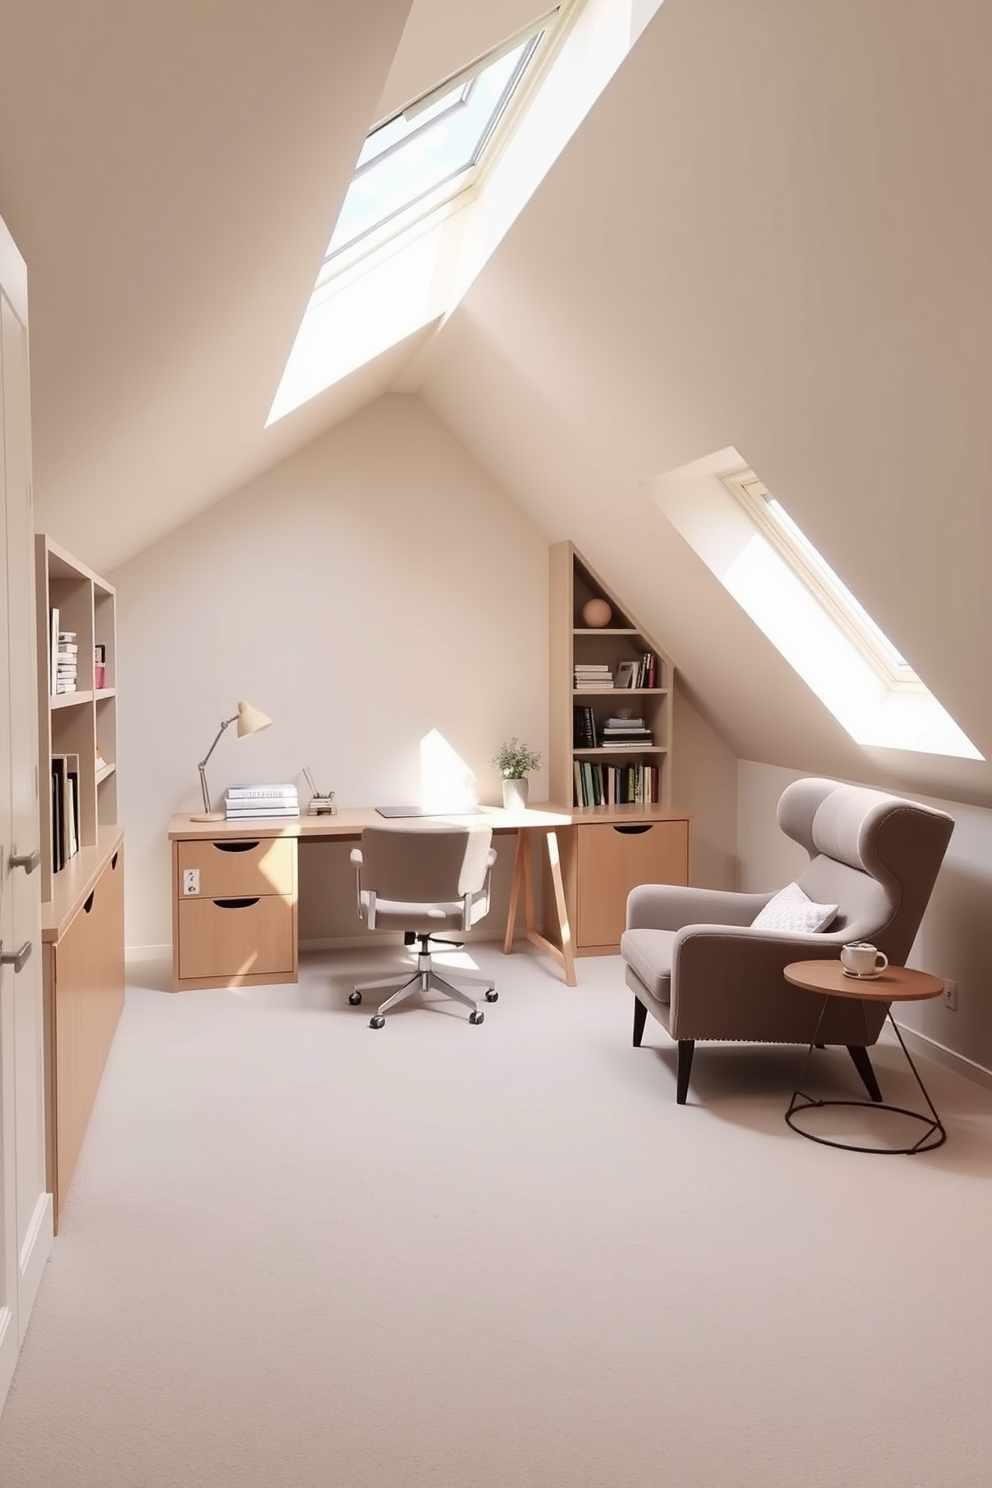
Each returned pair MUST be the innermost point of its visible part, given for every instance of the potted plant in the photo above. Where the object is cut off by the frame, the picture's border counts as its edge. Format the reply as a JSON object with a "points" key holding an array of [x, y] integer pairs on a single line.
{"points": [[513, 760]]}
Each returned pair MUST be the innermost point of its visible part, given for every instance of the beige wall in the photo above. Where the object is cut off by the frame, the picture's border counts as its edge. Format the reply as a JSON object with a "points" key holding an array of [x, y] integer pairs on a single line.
{"points": [[372, 587], [954, 938]]}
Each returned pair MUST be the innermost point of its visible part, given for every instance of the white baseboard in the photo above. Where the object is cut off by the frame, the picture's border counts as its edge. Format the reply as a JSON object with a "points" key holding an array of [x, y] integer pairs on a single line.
{"points": [[960, 1064], [148, 953], [33, 1258]]}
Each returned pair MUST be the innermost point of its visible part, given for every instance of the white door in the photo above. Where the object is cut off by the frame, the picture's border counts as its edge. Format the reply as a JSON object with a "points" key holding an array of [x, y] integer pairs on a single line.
{"points": [[25, 1206]]}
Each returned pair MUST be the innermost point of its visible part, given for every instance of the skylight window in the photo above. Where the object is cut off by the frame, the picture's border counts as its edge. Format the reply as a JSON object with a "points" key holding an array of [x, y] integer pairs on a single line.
{"points": [[765, 561], [797, 550], [430, 151]]}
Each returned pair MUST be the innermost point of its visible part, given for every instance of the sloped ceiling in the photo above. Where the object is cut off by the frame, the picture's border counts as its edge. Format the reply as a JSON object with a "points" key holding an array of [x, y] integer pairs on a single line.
{"points": [[172, 171], [774, 230]]}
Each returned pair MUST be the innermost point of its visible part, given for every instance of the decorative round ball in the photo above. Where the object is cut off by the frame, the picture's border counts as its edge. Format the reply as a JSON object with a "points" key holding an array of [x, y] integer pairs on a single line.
{"points": [[596, 613]]}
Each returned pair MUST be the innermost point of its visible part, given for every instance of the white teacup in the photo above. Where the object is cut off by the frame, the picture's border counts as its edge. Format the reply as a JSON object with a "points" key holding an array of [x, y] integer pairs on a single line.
{"points": [[862, 959]]}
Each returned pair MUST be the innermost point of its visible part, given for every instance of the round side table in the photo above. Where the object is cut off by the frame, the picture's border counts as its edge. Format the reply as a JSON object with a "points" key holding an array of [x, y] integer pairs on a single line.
{"points": [[894, 984]]}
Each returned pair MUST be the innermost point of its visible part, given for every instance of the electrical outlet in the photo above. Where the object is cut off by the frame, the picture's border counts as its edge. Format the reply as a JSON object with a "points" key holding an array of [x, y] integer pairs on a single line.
{"points": [[950, 995], [191, 881]]}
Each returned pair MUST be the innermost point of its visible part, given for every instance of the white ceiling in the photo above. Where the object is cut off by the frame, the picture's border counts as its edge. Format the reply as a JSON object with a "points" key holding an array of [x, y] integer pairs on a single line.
{"points": [[774, 230]]}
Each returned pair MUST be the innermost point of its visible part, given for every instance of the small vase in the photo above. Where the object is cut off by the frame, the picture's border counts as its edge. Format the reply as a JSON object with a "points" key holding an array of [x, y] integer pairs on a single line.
{"points": [[515, 794]]}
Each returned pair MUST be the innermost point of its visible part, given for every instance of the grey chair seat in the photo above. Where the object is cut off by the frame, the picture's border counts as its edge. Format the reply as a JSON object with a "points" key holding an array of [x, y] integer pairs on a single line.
{"points": [[424, 878]]}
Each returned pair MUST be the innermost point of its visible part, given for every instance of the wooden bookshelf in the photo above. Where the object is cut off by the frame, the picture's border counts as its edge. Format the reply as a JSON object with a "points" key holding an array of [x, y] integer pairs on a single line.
{"points": [[83, 901], [573, 582], [84, 722]]}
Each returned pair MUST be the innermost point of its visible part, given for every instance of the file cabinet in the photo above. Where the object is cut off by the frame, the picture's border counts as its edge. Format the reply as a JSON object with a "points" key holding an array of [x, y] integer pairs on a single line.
{"points": [[234, 912]]}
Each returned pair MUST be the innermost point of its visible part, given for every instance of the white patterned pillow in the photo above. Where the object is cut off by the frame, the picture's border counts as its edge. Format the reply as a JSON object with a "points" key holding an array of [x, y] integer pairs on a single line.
{"points": [[791, 909]]}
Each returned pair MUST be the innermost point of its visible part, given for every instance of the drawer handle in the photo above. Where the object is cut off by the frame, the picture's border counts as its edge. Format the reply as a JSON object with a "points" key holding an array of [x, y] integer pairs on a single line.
{"points": [[113, 861], [89, 903], [236, 903], [27, 861], [236, 846], [634, 831]]}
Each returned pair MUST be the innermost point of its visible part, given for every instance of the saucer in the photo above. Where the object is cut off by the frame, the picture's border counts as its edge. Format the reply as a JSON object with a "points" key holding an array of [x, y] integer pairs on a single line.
{"points": [[862, 976]]}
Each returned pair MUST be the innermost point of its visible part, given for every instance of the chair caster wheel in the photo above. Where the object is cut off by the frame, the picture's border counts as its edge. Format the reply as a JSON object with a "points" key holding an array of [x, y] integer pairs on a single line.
{"points": [[377, 1022], [354, 998], [492, 995], [476, 1016]]}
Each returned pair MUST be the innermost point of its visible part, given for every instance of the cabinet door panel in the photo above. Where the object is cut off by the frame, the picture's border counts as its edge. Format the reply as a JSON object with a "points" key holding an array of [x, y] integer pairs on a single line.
{"points": [[613, 860], [234, 867], [233, 938]]}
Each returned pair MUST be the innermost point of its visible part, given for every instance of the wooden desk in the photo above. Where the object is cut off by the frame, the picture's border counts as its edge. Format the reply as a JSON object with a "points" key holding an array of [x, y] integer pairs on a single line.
{"points": [[241, 868], [209, 949]]}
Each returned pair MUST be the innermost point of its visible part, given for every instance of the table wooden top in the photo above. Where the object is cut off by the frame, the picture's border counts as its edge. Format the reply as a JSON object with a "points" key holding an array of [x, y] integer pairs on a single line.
{"points": [[348, 821], [894, 984]]}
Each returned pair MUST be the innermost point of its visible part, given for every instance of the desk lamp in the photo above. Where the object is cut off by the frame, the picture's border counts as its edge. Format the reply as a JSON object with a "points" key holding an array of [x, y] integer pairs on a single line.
{"points": [[249, 721]]}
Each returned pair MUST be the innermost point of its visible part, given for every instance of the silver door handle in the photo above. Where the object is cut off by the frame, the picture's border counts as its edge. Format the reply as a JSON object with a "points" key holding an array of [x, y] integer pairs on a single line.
{"points": [[27, 861], [16, 959]]}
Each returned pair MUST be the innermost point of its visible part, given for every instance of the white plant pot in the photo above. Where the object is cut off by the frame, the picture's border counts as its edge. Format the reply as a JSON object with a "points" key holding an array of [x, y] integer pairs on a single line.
{"points": [[515, 794]]}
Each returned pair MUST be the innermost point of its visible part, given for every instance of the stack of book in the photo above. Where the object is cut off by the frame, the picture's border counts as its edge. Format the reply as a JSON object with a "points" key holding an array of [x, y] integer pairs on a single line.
{"points": [[243, 801], [65, 661], [592, 677], [625, 733]]}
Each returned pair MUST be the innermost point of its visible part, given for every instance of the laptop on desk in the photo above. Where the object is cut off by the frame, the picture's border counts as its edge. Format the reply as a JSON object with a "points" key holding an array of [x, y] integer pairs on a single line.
{"points": [[424, 811]]}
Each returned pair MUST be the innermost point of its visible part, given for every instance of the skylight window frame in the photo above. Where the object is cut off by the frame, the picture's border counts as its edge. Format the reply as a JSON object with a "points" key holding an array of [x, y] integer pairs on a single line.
{"points": [[754, 496], [436, 200]]}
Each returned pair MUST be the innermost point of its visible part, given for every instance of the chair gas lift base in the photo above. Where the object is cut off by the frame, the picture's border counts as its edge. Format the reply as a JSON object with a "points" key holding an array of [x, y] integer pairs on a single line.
{"points": [[894, 984], [423, 980]]}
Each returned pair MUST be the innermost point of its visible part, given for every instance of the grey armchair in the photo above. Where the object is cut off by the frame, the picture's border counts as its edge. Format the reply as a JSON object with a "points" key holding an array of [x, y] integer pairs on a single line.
{"points": [[423, 879], [698, 965]]}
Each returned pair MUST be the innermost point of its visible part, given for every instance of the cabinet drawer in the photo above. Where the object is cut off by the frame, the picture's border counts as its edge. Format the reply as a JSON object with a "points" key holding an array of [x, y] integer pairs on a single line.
{"points": [[611, 861], [236, 937], [238, 866]]}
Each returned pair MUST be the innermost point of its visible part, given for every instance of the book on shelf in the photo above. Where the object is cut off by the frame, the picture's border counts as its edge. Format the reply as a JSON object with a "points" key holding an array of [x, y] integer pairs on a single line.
{"points": [[624, 723], [627, 674], [583, 727], [65, 809], [99, 666]]}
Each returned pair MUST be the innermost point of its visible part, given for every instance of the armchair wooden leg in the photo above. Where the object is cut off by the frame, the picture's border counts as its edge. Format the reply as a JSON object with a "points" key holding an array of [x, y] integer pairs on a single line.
{"points": [[640, 1014], [686, 1047], [863, 1066]]}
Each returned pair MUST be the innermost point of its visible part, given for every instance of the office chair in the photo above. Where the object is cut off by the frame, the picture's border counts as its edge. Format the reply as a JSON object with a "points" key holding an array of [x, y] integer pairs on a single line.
{"points": [[698, 964], [421, 879]]}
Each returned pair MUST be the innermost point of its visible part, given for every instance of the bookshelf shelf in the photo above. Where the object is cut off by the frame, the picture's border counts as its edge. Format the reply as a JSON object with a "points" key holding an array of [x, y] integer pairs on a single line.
{"points": [[613, 750], [70, 700]]}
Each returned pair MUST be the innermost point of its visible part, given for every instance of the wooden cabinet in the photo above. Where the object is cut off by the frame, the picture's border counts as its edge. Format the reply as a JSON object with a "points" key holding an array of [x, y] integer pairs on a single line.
{"points": [[83, 891], [638, 772], [601, 861], [84, 998], [234, 912]]}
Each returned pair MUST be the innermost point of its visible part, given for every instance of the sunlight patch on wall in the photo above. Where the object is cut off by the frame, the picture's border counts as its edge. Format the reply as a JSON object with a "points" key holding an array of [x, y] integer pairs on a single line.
{"points": [[447, 783]]}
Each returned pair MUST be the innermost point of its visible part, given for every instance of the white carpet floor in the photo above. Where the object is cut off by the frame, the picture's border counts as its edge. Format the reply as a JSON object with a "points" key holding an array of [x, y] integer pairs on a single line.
{"points": [[300, 1253]]}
